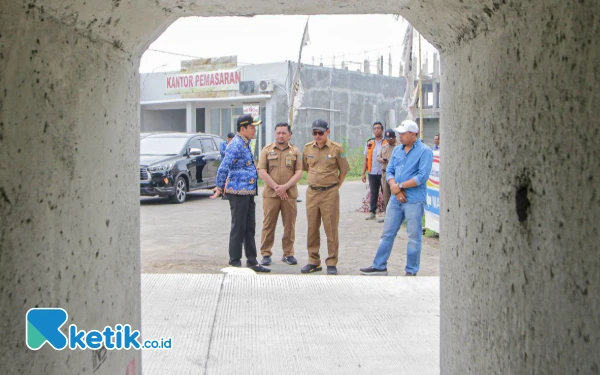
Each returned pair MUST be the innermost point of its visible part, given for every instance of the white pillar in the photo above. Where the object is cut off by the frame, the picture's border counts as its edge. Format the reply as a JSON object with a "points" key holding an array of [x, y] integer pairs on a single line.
{"points": [[270, 121], [207, 124], [190, 118]]}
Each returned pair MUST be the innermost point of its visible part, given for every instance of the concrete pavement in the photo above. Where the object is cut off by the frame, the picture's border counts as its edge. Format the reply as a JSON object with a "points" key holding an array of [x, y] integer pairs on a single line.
{"points": [[291, 324]]}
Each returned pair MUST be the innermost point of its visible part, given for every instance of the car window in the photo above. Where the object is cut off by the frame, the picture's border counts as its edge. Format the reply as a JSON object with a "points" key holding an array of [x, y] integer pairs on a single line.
{"points": [[218, 141], [195, 143], [208, 145], [161, 146]]}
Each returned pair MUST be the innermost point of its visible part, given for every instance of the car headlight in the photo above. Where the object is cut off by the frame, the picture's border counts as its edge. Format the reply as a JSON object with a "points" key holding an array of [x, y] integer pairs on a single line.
{"points": [[160, 168]]}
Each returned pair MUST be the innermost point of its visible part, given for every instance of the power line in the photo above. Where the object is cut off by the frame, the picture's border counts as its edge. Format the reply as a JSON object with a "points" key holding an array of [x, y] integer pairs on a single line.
{"points": [[195, 57]]}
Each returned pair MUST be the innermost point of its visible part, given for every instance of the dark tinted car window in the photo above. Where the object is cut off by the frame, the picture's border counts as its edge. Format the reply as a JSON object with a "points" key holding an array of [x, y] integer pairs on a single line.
{"points": [[208, 145], [195, 143]]}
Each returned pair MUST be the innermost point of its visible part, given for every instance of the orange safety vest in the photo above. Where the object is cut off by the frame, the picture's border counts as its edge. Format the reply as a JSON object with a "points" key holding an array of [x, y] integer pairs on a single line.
{"points": [[370, 148]]}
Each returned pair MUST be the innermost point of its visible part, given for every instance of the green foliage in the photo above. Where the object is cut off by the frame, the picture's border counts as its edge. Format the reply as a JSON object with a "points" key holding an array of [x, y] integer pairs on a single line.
{"points": [[355, 159], [429, 232]]}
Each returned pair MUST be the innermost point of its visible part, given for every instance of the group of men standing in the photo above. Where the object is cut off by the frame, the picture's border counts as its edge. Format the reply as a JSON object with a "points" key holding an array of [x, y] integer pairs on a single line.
{"points": [[404, 173], [401, 171], [280, 165]]}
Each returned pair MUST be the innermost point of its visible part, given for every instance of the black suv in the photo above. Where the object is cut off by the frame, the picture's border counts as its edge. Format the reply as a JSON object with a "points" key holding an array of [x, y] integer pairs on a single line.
{"points": [[171, 164]]}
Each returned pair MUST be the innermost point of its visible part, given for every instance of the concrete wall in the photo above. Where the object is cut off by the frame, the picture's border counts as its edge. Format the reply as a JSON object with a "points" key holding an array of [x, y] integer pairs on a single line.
{"points": [[520, 203], [69, 206], [359, 98], [431, 127], [521, 198], [164, 120]]}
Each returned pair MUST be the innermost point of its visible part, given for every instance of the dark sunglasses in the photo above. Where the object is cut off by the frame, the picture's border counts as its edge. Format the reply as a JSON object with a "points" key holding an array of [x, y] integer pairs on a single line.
{"points": [[316, 132]]}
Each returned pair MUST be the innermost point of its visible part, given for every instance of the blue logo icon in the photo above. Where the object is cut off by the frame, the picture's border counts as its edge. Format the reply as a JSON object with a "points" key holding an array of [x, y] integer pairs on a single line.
{"points": [[43, 325]]}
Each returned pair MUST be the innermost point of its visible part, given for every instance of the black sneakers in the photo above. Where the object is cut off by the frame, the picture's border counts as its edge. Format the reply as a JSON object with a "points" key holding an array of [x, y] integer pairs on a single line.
{"points": [[331, 270], [235, 263], [410, 274], [370, 271], [265, 261], [259, 268], [310, 268], [289, 260]]}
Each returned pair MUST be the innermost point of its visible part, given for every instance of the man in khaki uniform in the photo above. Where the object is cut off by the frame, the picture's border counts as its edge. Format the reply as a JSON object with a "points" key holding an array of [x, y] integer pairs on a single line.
{"points": [[327, 165], [280, 167], [384, 157]]}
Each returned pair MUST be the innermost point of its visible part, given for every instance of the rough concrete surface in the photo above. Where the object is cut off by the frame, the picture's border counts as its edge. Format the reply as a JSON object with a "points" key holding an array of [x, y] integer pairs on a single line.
{"points": [[199, 242], [520, 268], [278, 324], [521, 195], [69, 218]]}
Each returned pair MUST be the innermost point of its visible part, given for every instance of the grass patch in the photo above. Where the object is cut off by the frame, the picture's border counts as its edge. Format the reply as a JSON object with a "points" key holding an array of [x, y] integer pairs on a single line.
{"points": [[428, 232]]}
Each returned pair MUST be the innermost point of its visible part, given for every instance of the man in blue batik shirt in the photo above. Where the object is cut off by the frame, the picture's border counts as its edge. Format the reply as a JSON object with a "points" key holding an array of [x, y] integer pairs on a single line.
{"points": [[407, 174], [237, 177], [224, 144]]}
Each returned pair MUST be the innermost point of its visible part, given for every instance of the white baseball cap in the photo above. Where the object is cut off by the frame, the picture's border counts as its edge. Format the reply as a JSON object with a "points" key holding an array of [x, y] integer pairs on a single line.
{"points": [[408, 126]]}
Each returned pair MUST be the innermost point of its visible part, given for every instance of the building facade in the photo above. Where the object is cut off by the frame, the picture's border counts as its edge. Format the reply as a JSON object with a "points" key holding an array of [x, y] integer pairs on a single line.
{"points": [[208, 95]]}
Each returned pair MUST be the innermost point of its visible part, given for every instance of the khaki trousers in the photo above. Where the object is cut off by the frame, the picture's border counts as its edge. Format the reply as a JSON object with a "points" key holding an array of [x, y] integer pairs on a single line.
{"points": [[289, 211], [323, 206], [387, 193]]}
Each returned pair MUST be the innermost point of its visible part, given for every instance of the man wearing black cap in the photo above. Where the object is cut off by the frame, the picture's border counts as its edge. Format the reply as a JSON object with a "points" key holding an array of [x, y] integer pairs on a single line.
{"points": [[373, 166], [237, 177], [327, 165], [407, 174], [384, 157]]}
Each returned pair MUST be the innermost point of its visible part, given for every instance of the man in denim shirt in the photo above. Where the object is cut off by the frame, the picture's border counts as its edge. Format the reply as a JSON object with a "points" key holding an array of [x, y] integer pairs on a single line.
{"points": [[237, 177], [407, 174]]}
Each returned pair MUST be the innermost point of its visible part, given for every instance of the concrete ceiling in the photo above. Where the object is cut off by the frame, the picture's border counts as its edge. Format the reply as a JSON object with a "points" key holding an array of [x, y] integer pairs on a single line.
{"points": [[131, 25]]}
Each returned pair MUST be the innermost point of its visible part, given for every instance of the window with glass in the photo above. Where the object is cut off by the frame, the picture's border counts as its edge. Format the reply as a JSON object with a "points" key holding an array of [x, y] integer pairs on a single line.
{"points": [[208, 145]]}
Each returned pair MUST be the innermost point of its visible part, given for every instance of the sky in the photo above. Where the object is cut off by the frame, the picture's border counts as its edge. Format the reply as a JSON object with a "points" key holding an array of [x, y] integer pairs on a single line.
{"points": [[265, 39]]}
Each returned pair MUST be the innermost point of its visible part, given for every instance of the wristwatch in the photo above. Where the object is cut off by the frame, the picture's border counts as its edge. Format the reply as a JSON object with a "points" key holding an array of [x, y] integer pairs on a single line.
{"points": [[400, 186]]}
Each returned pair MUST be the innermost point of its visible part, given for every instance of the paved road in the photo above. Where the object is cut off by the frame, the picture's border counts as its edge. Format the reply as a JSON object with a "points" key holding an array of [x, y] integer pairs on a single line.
{"points": [[193, 237], [291, 324]]}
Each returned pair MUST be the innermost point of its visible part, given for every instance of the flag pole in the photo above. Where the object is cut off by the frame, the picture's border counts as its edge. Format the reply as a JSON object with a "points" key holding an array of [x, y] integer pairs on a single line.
{"points": [[420, 91], [296, 79]]}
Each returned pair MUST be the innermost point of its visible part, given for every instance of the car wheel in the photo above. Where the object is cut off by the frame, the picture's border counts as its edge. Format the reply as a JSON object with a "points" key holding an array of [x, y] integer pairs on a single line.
{"points": [[180, 191]]}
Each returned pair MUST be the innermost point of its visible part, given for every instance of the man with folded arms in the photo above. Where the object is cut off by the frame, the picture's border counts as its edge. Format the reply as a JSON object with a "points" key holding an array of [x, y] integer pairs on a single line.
{"points": [[327, 166], [280, 167]]}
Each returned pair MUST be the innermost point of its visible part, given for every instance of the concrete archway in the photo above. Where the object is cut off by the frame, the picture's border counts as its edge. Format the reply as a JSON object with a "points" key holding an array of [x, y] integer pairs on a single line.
{"points": [[520, 268]]}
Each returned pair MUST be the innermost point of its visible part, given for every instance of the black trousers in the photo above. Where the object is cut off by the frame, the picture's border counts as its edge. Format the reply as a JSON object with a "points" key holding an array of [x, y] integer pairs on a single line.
{"points": [[374, 188], [243, 228]]}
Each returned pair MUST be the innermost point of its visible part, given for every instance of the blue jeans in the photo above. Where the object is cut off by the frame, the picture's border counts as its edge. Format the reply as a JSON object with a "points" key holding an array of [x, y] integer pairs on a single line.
{"points": [[395, 214]]}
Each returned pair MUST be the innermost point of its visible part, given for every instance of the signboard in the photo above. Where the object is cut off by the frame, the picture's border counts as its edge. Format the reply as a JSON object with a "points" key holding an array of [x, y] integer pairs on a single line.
{"points": [[221, 80], [432, 210], [251, 109]]}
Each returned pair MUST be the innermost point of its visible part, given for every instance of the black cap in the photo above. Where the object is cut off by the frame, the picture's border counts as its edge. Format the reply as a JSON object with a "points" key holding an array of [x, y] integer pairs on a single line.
{"points": [[390, 133], [245, 120], [320, 125], [230, 135]]}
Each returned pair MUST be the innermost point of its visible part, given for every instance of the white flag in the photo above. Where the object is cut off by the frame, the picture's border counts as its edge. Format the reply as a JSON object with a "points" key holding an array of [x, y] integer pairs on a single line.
{"points": [[410, 93], [296, 81]]}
